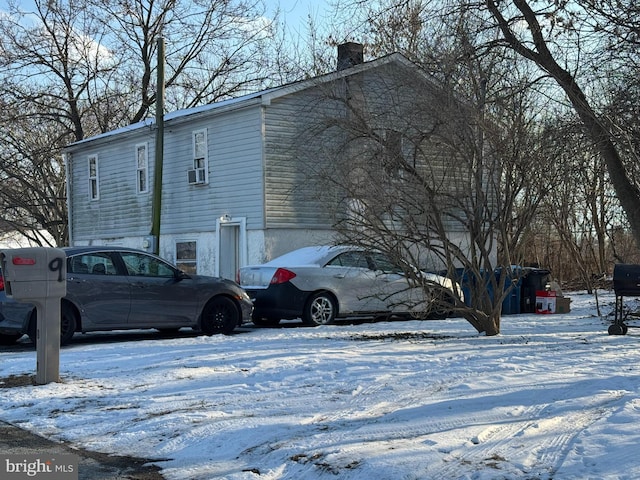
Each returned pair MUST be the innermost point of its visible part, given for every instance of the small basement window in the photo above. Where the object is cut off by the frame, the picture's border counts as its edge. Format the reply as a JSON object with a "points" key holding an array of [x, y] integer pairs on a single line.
{"points": [[186, 257]]}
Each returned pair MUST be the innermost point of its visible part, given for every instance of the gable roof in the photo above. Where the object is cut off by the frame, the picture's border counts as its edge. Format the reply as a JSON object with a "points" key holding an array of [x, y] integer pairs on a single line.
{"points": [[263, 97]]}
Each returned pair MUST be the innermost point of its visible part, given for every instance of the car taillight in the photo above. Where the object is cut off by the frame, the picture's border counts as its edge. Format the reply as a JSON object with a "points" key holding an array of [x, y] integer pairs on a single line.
{"points": [[1, 283], [282, 275]]}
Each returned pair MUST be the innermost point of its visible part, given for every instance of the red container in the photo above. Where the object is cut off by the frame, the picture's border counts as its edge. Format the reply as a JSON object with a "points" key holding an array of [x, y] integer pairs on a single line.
{"points": [[545, 301]]}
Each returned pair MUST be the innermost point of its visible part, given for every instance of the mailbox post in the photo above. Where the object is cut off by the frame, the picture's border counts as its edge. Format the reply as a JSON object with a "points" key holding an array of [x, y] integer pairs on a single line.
{"points": [[38, 275]]}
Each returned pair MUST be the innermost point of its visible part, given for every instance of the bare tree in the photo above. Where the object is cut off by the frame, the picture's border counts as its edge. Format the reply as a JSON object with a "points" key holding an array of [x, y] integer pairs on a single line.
{"points": [[417, 177], [533, 34], [33, 185], [486, 125], [562, 195], [75, 68]]}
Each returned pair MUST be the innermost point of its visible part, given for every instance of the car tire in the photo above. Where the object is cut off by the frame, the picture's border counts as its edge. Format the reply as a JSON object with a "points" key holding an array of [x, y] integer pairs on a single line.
{"points": [[9, 338], [265, 322], [68, 324], [443, 308], [320, 309], [617, 329], [440, 312], [219, 316]]}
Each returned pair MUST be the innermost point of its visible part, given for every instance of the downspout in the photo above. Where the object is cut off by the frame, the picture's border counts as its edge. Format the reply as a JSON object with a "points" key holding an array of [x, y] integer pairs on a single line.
{"points": [[66, 161], [159, 157]]}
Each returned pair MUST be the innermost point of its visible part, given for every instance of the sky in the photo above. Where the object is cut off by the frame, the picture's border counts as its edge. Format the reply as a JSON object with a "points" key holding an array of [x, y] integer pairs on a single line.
{"points": [[551, 397], [296, 12]]}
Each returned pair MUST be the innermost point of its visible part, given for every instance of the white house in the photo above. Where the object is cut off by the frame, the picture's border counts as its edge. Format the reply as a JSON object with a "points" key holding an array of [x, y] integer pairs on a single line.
{"points": [[235, 185]]}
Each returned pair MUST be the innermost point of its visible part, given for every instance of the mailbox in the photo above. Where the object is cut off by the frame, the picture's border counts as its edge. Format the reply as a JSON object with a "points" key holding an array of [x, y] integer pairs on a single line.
{"points": [[39, 275], [32, 273]]}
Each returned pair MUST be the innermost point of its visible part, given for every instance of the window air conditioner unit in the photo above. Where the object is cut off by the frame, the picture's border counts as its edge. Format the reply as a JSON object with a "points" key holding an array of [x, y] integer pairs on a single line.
{"points": [[196, 176]]}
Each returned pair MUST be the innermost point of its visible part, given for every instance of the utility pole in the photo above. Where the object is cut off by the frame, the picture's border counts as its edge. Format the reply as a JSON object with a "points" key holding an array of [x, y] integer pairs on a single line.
{"points": [[159, 157]]}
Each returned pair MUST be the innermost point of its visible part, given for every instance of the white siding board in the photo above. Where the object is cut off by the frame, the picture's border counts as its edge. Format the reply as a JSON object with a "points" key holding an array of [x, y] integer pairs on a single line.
{"points": [[262, 179]]}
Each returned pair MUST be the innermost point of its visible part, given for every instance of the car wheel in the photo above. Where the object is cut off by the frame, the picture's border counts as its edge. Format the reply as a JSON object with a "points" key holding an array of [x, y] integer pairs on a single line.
{"points": [[265, 322], [321, 309], [443, 308], [220, 315], [617, 329], [439, 312], [9, 339], [68, 324]]}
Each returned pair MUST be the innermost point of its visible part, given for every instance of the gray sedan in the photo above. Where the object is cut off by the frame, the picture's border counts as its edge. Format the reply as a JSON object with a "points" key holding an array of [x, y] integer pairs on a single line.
{"points": [[323, 283], [115, 288]]}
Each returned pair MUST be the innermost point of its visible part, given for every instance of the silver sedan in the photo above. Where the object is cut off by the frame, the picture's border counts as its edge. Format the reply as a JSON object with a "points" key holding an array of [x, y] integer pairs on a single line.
{"points": [[320, 284]]}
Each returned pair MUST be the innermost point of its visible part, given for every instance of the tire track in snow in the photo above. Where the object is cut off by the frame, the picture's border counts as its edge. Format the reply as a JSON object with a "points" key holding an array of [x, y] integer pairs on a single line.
{"points": [[498, 445]]}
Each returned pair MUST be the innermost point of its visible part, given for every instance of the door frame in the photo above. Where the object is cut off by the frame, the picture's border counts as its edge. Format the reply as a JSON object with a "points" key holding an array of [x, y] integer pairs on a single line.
{"points": [[228, 221]]}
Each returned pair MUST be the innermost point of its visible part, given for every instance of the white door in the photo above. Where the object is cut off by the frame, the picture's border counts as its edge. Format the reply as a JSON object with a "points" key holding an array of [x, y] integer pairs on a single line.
{"points": [[231, 245]]}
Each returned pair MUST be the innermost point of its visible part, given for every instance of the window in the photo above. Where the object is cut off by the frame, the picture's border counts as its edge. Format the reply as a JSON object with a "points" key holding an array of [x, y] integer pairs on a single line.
{"points": [[94, 192], [350, 259], [393, 153], [92, 264], [384, 263], [200, 172], [141, 265], [186, 259], [142, 168]]}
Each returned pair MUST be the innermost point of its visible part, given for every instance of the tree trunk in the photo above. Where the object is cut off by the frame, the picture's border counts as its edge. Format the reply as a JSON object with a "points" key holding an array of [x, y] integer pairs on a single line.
{"points": [[628, 194], [483, 323]]}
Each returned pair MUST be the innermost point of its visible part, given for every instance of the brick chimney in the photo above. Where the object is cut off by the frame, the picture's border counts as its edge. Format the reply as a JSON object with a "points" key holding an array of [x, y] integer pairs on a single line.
{"points": [[350, 54]]}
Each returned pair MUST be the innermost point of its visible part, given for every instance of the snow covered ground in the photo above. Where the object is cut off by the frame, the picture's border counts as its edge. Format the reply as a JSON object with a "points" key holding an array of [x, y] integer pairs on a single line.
{"points": [[553, 396]]}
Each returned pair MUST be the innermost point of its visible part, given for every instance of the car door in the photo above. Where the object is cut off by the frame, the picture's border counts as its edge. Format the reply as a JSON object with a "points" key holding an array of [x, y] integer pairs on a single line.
{"points": [[398, 294], [355, 283], [160, 296], [99, 290]]}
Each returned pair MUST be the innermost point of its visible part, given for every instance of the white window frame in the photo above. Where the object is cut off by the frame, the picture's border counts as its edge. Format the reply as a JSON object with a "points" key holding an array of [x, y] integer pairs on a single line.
{"points": [[142, 167], [200, 155], [94, 180]]}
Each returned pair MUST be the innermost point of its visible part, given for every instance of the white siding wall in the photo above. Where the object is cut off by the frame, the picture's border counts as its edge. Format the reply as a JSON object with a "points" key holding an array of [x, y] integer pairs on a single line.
{"points": [[293, 147], [120, 211], [234, 143], [258, 161], [235, 185]]}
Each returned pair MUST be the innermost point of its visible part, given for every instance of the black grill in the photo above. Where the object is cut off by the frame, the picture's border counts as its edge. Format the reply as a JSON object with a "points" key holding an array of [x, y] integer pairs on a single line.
{"points": [[626, 280], [626, 283]]}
